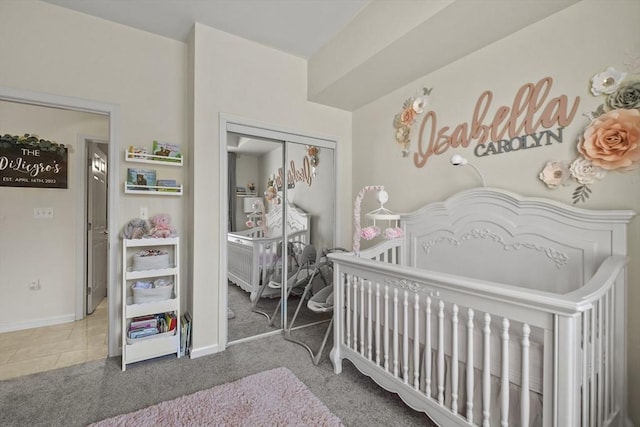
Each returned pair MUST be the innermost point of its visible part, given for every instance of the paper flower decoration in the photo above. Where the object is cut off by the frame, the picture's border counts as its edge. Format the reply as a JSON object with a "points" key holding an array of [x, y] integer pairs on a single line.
{"points": [[610, 142], [403, 121]]}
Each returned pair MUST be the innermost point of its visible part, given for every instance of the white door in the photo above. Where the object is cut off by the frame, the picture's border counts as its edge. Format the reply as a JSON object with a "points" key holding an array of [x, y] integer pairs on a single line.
{"points": [[97, 232]]}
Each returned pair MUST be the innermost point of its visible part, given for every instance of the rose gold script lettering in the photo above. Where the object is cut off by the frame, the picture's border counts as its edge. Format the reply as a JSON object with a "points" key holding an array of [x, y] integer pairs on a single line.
{"points": [[530, 110], [296, 175]]}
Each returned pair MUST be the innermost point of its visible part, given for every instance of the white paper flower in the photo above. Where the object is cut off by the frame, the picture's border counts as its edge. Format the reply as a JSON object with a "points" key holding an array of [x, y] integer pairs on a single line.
{"points": [[554, 174], [585, 172], [607, 81], [419, 104]]}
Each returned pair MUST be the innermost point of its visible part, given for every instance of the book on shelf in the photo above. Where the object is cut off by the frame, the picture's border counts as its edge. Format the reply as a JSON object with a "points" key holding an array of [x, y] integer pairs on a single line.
{"points": [[166, 152], [185, 334], [171, 321], [141, 179], [142, 332], [137, 152], [146, 323], [169, 185]]}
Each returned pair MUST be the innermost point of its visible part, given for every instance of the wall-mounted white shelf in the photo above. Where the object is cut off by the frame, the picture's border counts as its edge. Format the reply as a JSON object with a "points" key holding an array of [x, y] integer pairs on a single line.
{"points": [[152, 190], [152, 159]]}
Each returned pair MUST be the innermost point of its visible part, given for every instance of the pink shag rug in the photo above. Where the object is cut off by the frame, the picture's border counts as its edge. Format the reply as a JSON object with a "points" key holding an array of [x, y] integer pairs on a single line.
{"points": [[271, 398]]}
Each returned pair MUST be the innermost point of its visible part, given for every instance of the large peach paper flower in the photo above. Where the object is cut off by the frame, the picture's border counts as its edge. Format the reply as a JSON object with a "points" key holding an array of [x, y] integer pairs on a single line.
{"points": [[612, 141]]}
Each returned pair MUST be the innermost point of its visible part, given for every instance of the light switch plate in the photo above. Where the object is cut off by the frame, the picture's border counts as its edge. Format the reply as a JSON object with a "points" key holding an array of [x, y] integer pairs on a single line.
{"points": [[43, 213]]}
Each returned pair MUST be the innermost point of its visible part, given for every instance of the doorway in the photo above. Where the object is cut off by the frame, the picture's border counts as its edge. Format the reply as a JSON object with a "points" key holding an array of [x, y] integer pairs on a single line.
{"points": [[96, 187], [111, 111], [287, 160]]}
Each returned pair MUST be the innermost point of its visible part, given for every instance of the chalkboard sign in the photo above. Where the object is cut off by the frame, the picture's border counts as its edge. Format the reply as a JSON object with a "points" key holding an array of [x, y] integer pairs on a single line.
{"points": [[24, 165]]}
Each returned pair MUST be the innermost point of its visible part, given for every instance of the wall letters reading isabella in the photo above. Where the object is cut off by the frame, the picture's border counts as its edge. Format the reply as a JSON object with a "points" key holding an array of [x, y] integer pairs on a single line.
{"points": [[24, 166], [533, 120]]}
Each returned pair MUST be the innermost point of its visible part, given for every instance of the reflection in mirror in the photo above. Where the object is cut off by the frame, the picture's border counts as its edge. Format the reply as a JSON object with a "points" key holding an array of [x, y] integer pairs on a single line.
{"points": [[252, 239], [310, 178], [272, 285]]}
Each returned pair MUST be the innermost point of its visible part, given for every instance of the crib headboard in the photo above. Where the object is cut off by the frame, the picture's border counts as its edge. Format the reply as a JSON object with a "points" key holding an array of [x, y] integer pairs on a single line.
{"points": [[496, 235], [297, 220]]}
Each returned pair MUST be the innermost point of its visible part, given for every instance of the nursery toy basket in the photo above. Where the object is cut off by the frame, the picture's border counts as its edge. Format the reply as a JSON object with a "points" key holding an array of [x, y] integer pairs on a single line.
{"points": [[150, 262], [142, 295]]}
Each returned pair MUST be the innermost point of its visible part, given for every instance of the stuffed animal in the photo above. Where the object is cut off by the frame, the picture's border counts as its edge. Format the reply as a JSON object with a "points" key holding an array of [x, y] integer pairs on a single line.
{"points": [[137, 228], [161, 226]]}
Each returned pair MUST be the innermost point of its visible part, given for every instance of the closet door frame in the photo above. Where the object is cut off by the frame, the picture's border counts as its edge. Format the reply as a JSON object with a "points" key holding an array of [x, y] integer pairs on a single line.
{"points": [[251, 128]]}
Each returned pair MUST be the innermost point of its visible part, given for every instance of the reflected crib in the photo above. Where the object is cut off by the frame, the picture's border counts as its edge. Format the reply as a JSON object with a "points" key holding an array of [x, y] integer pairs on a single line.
{"points": [[252, 251]]}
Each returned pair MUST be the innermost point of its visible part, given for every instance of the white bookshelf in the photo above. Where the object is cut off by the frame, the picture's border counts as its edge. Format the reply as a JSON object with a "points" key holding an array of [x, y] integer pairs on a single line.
{"points": [[135, 350]]}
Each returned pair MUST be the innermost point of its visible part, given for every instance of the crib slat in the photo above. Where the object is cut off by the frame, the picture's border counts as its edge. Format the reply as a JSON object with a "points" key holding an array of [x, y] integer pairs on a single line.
{"points": [[585, 379], [362, 313], [441, 352], [386, 328], [592, 362], [470, 366], [405, 338], [427, 340], [454, 359], [354, 318], [524, 386], [486, 371], [378, 324], [395, 332], [416, 342], [612, 395], [607, 356], [369, 320], [505, 373], [600, 364], [348, 313]]}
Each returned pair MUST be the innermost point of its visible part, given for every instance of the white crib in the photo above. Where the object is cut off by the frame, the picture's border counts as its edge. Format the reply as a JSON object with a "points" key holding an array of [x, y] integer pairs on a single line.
{"points": [[251, 252], [524, 295]]}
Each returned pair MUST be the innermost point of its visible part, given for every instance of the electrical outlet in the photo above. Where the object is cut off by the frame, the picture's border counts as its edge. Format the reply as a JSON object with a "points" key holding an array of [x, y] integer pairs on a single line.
{"points": [[144, 213]]}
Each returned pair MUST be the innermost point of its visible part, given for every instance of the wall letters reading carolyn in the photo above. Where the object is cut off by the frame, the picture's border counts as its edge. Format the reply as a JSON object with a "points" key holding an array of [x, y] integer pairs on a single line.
{"points": [[32, 165], [533, 120]]}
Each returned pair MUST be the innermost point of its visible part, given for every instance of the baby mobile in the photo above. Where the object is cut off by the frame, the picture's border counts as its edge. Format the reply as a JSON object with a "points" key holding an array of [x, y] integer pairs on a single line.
{"points": [[380, 214]]}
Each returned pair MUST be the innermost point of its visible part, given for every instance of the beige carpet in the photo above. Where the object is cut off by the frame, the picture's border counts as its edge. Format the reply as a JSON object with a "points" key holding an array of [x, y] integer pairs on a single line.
{"points": [[271, 398]]}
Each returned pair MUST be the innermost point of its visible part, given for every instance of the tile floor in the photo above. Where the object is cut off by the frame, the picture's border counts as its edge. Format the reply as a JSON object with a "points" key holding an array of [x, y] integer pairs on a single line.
{"points": [[41, 349]]}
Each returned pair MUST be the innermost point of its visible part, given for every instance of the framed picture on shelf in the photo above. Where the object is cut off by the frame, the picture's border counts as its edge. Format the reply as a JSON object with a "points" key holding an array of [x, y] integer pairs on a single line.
{"points": [[141, 179]]}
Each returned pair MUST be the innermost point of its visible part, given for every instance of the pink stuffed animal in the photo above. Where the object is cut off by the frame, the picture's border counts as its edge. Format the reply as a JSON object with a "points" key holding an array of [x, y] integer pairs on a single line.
{"points": [[161, 227]]}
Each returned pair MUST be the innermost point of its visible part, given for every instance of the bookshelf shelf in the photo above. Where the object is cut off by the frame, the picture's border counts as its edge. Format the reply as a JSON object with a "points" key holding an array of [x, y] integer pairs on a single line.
{"points": [[153, 159], [161, 342], [152, 190]]}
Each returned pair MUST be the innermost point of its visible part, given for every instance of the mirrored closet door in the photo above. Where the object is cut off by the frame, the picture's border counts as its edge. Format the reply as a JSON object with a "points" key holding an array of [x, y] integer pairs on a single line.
{"points": [[278, 192]]}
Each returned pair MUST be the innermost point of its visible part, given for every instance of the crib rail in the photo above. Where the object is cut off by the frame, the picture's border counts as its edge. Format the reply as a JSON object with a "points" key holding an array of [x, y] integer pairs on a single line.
{"points": [[481, 353]]}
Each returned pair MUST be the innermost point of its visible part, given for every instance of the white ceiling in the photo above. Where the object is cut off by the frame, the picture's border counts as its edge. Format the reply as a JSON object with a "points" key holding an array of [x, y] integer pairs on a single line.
{"points": [[299, 27]]}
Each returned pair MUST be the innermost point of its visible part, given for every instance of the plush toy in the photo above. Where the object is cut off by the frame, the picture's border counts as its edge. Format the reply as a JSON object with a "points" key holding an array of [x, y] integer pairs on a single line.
{"points": [[137, 228], [161, 227]]}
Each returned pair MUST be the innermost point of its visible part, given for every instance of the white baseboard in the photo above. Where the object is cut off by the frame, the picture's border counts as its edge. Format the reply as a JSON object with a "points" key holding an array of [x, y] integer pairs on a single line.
{"points": [[204, 351], [37, 323]]}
